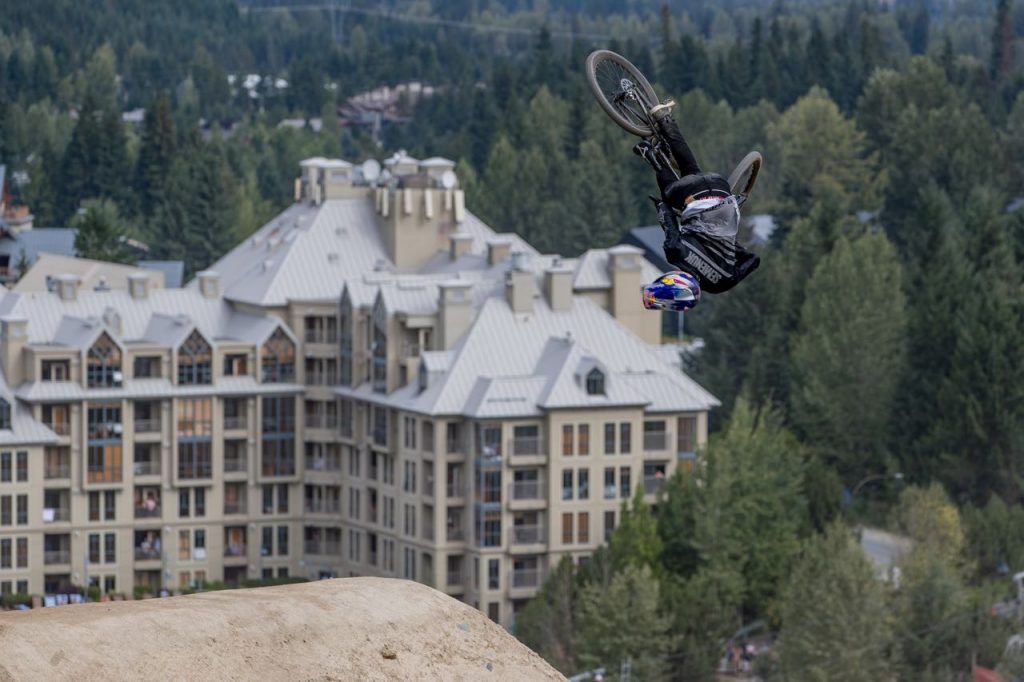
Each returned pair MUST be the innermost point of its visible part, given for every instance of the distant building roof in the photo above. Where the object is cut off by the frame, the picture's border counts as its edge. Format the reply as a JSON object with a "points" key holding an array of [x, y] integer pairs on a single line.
{"points": [[174, 271], [59, 241], [93, 273]]}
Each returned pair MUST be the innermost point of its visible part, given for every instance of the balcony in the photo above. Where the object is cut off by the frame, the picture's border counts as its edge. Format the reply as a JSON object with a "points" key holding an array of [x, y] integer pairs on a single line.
{"points": [[526, 490], [53, 557], [321, 421], [454, 577], [456, 534], [321, 336], [60, 428], [234, 550], [234, 507], [323, 506], [525, 578], [656, 441], [148, 511], [652, 484], [147, 426], [322, 463], [281, 425], [194, 470], [323, 548], [455, 490], [525, 445], [147, 553], [526, 535], [104, 474], [56, 514], [60, 470], [322, 378], [147, 468], [235, 423], [235, 464]]}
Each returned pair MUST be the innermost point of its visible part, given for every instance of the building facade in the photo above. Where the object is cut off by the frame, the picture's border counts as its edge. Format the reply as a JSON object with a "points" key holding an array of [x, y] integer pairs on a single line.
{"points": [[374, 383]]}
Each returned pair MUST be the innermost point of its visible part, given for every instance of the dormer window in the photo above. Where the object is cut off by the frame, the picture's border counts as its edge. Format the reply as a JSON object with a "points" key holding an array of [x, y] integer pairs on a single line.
{"points": [[104, 363], [5, 414], [595, 382], [195, 361], [277, 358], [56, 370]]}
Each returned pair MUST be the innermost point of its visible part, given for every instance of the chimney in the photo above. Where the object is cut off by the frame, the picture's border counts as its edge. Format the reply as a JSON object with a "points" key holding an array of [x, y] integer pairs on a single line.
{"points": [[138, 286], [209, 283], [624, 269], [519, 285], [455, 311], [498, 250], [459, 244], [558, 283], [67, 286], [13, 337]]}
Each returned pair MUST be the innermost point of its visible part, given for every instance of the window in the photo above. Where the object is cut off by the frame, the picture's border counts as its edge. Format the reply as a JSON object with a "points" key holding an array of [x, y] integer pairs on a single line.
{"points": [[236, 364], [409, 432], [489, 528], [195, 459], [490, 487], [278, 457], [452, 437], [267, 541], [282, 498], [5, 414], [277, 359], [379, 348], [686, 435], [56, 370], [146, 367], [583, 484], [5, 467], [609, 525], [195, 418], [595, 382], [21, 558], [428, 436], [567, 440], [583, 528], [94, 548], [109, 584], [583, 442], [22, 510], [625, 445], [195, 361], [566, 484], [110, 548], [624, 485], [345, 342], [609, 439], [655, 437], [282, 540], [494, 611], [609, 483], [567, 528], [103, 363], [184, 545], [104, 463], [104, 420], [493, 574], [109, 505]]}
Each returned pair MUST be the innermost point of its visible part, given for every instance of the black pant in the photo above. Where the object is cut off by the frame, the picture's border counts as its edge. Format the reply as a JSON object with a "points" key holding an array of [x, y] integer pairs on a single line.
{"points": [[681, 153]]}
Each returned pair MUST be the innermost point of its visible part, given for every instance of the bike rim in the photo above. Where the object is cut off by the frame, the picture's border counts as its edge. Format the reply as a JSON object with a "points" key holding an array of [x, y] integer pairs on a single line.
{"points": [[620, 89]]}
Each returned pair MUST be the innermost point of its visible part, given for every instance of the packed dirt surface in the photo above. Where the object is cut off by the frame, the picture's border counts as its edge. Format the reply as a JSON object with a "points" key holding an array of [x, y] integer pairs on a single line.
{"points": [[345, 629]]}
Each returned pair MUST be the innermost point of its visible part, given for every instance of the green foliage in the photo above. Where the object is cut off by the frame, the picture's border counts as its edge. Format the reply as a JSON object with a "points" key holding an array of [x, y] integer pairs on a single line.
{"points": [[849, 353], [835, 625], [622, 621], [635, 541], [547, 624], [102, 235]]}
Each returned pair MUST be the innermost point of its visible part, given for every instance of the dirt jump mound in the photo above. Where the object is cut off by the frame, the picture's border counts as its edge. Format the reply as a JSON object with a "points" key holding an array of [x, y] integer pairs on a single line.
{"points": [[346, 629]]}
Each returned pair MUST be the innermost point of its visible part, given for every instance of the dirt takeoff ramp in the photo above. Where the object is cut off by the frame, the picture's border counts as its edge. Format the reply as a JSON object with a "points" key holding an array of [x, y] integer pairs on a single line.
{"points": [[346, 629]]}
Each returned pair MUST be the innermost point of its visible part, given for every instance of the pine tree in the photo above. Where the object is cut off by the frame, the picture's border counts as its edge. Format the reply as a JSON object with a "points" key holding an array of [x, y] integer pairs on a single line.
{"points": [[1002, 41], [547, 624], [101, 233], [849, 354], [155, 155], [635, 541], [835, 624]]}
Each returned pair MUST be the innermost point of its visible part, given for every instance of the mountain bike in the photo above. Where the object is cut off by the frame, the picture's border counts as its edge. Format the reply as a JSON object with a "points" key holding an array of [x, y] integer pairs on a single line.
{"points": [[628, 98]]}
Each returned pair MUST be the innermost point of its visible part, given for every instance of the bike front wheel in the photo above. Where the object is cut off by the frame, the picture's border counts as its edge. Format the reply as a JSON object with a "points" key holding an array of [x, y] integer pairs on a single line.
{"points": [[622, 91]]}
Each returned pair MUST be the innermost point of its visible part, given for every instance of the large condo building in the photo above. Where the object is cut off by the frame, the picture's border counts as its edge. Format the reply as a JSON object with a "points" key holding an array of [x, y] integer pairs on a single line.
{"points": [[374, 383]]}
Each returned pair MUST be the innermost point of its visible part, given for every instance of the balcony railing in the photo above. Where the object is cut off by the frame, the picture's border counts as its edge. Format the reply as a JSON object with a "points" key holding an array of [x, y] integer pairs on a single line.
{"points": [[147, 468], [235, 464], [323, 463], [456, 534], [321, 336], [147, 425], [234, 550], [56, 514], [526, 577], [526, 490], [147, 512], [321, 421], [235, 423], [234, 507], [281, 425], [323, 547], [323, 506], [322, 378], [526, 535], [104, 474], [147, 553], [57, 556], [60, 428], [380, 436], [57, 471], [525, 445], [455, 489], [192, 470], [278, 467], [653, 484], [454, 578], [655, 441]]}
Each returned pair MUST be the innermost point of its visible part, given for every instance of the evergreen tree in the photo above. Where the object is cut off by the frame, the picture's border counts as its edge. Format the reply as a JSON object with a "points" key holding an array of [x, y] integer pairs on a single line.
{"points": [[835, 624], [635, 541], [1002, 40], [547, 623], [622, 622], [849, 354], [101, 233], [155, 155]]}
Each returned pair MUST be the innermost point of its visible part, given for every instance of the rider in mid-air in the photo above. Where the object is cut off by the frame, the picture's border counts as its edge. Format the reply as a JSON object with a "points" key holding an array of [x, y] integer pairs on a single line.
{"points": [[702, 241]]}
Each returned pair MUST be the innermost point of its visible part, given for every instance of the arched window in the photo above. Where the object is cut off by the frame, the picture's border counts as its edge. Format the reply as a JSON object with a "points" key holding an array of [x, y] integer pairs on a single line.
{"points": [[103, 363], [195, 361], [595, 382], [277, 358]]}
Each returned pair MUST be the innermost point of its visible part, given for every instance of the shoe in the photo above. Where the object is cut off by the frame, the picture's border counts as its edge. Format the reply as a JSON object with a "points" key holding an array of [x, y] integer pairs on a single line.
{"points": [[662, 110]]}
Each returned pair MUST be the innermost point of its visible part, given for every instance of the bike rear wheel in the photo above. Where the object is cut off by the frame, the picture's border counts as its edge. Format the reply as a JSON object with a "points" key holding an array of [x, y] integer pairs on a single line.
{"points": [[622, 91], [744, 176]]}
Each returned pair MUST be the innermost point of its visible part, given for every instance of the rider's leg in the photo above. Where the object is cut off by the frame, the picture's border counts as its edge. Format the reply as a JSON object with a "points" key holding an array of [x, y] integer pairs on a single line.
{"points": [[681, 151]]}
